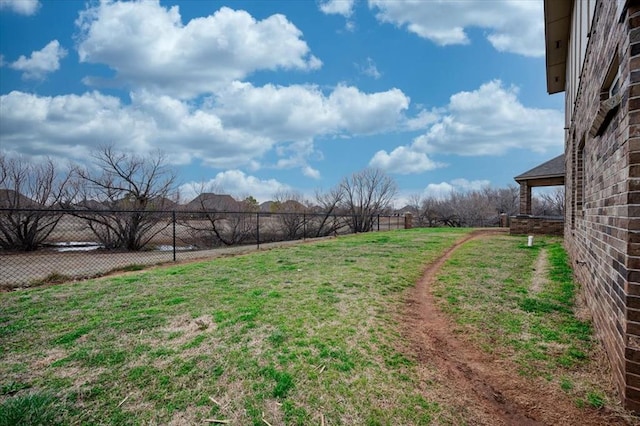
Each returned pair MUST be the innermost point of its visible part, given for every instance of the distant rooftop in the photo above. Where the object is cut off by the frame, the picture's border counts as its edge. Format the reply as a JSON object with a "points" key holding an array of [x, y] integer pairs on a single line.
{"points": [[553, 168]]}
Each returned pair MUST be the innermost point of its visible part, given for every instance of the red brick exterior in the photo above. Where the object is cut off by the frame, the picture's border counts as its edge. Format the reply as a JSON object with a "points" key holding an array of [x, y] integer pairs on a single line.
{"points": [[602, 230], [532, 225]]}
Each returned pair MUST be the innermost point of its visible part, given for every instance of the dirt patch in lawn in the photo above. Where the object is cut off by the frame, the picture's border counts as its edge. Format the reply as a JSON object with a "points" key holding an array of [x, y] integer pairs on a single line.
{"points": [[540, 270], [483, 388]]}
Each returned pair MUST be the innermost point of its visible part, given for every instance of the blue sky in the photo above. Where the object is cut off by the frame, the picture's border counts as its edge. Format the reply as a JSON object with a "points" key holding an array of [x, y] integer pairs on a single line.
{"points": [[257, 97]]}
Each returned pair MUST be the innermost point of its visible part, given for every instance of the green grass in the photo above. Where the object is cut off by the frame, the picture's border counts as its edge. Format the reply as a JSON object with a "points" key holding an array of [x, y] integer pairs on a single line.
{"points": [[28, 410], [491, 299], [286, 335]]}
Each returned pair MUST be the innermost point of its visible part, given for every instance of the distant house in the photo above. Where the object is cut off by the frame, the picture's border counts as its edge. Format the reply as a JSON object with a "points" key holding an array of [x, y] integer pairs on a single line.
{"points": [[266, 207], [213, 202], [289, 206], [90, 205], [593, 56], [10, 199], [162, 204]]}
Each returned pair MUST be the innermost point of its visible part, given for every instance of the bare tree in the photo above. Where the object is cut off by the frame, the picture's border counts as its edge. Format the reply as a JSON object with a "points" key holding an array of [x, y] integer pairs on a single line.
{"points": [[413, 205], [425, 210], [447, 211], [130, 189], [28, 191], [474, 208], [290, 207], [429, 212], [549, 203], [3, 169], [324, 220], [366, 194], [219, 219], [481, 207], [505, 200]]}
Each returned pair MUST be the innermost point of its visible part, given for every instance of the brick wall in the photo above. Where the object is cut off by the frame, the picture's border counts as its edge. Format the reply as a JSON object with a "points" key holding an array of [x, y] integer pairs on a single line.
{"points": [[534, 225], [603, 195], [632, 186]]}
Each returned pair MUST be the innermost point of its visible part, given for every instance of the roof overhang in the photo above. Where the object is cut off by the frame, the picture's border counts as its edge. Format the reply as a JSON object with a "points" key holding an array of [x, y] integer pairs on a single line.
{"points": [[557, 26], [550, 180]]}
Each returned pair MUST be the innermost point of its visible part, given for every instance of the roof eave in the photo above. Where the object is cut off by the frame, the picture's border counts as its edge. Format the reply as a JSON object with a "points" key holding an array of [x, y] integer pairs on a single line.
{"points": [[523, 178], [557, 26]]}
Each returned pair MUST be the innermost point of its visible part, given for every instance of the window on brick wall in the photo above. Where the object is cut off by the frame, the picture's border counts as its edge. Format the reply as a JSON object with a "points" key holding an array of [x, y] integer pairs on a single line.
{"points": [[571, 183], [580, 178], [610, 98]]}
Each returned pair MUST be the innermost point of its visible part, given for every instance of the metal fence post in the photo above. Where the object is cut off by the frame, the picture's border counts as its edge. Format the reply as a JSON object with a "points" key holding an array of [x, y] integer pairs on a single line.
{"points": [[173, 215], [258, 229], [378, 222]]}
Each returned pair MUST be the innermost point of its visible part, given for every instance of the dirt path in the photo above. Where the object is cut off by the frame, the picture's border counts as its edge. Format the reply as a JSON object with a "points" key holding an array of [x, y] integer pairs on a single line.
{"points": [[484, 389], [540, 270]]}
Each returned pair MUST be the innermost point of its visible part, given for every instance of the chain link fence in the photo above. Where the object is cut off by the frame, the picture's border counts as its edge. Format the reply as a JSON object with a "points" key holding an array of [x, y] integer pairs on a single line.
{"points": [[44, 245]]}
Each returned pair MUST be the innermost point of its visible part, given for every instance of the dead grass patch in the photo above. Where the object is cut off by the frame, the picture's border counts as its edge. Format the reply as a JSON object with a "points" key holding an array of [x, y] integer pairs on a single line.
{"points": [[540, 271], [51, 355]]}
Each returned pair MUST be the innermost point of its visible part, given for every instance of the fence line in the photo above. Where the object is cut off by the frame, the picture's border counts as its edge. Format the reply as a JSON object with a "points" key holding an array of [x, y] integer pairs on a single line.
{"points": [[40, 245]]}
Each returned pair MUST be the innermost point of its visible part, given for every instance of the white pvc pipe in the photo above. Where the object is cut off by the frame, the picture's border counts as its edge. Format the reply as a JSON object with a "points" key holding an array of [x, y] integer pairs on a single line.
{"points": [[530, 241]]}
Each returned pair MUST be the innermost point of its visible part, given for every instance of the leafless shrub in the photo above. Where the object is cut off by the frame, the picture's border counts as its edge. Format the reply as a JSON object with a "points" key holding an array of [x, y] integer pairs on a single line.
{"points": [[365, 195], [126, 189], [291, 209], [215, 219], [35, 188], [549, 203]]}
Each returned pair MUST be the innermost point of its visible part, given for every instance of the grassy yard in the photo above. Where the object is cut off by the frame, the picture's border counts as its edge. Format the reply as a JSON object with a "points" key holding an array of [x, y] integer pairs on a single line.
{"points": [[298, 335], [507, 307], [292, 335]]}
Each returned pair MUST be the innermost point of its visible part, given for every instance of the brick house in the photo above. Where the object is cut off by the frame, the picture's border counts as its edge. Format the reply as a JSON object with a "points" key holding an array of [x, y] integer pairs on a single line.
{"points": [[550, 173], [593, 56]]}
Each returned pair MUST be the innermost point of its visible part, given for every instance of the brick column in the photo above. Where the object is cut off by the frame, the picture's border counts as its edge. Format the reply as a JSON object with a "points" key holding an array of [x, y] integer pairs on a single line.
{"points": [[408, 221], [525, 198]]}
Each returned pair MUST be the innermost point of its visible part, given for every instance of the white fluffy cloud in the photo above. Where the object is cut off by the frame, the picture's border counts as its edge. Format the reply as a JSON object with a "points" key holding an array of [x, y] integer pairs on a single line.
{"points": [[41, 62], [22, 7], [148, 46], [422, 120], [237, 183], [237, 128], [75, 125], [403, 160], [444, 189], [488, 121], [514, 26], [309, 171], [298, 112], [337, 7]]}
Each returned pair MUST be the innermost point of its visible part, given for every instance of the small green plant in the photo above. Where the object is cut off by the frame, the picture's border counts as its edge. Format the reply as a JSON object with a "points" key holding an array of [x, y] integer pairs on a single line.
{"points": [[13, 387], [33, 409], [73, 335], [566, 384], [595, 399]]}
